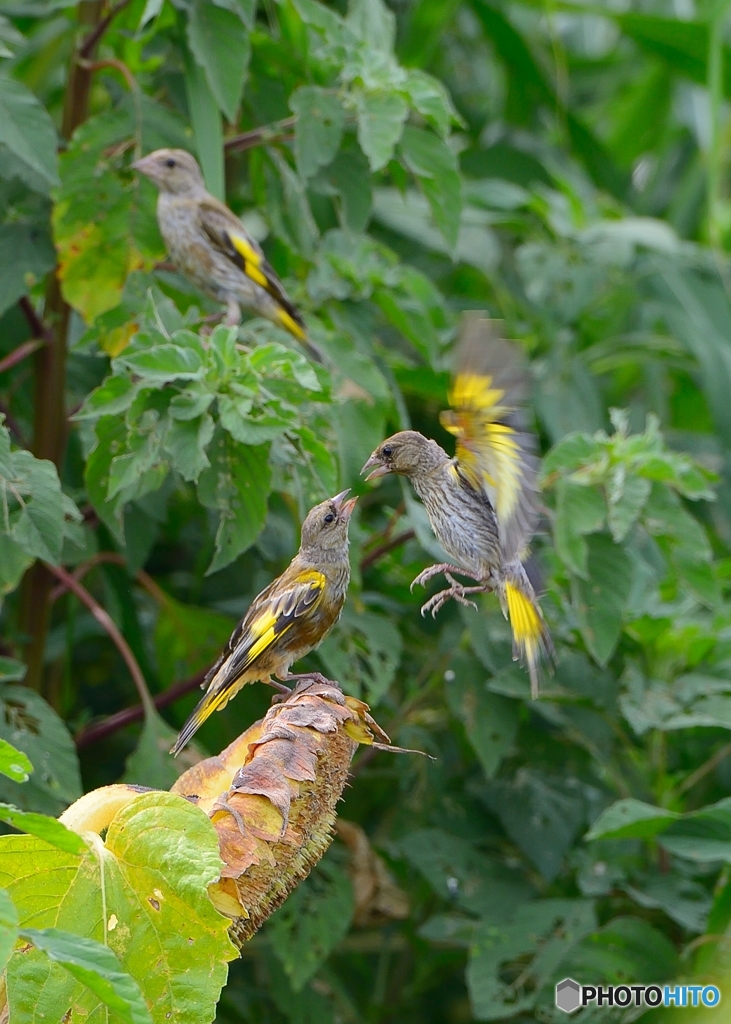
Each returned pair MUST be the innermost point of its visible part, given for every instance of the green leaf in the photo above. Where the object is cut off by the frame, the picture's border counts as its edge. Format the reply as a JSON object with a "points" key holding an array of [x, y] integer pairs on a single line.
{"points": [[26, 129], [161, 363], [188, 638], [33, 727], [319, 127], [381, 119], [186, 441], [159, 856], [13, 762], [312, 922], [8, 927], [580, 511], [363, 653], [625, 505], [459, 873], [26, 254], [104, 225], [490, 721], [11, 670], [432, 100], [50, 830], [237, 485], [600, 600], [499, 943], [631, 819], [207, 124], [627, 950], [435, 167], [150, 763], [97, 967], [541, 816], [220, 44], [373, 23]]}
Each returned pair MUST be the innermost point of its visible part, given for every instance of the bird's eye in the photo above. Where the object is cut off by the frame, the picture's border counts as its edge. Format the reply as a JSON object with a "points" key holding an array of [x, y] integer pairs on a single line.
{"points": [[387, 451], [170, 162], [329, 518]]}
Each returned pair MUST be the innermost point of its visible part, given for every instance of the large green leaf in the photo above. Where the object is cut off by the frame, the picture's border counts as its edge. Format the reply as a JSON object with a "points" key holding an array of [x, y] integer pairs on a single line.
{"points": [[150, 906], [26, 254], [312, 922], [600, 600], [435, 167], [97, 967], [27, 131], [219, 42], [236, 485], [319, 128], [381, 119], [31, 725]]}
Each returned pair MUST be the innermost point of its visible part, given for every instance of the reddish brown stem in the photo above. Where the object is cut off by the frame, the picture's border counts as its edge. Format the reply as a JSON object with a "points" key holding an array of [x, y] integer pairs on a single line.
{"points": [[40, 330], [19, 354], [89, 44], [260, 136], [105, 621], [100, 730], [383, 549], [49, 435]]}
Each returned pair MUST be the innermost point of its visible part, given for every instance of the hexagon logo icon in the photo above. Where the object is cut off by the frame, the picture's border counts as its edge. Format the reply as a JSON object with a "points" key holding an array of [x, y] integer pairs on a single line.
{"points": [[568, 995]]}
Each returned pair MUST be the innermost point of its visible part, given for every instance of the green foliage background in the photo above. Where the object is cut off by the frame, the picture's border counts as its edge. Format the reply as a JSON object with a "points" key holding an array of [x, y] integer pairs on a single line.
{"points": [[560, 165]]}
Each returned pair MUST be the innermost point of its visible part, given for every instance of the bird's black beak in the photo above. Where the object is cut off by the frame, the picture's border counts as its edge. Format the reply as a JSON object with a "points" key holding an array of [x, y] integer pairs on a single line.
{"points": [[344, 508], [378, 468]]}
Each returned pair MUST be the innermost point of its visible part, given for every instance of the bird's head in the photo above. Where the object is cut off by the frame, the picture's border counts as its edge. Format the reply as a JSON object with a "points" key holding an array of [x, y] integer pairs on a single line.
{"points": [[326, 525], [408, 453], [173, 170]]}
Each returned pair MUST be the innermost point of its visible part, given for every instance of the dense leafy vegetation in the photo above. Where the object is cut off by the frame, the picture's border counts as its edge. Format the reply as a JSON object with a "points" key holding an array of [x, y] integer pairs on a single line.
{"points": [[560, 165]]}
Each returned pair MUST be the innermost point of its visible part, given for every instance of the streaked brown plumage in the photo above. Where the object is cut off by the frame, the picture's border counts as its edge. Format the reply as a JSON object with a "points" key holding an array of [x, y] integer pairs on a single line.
{"points": [[209, 245], [493, 469], [289, 618]]}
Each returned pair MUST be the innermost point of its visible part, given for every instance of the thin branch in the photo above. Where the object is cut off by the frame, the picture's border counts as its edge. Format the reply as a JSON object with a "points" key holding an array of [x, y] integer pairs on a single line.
{"points": [[383, 549], [94, 733], [705, 768], [19, 354], [105, 621], [88, 45], [276, 132], [114, 558], [111, 62], [40, 330]]}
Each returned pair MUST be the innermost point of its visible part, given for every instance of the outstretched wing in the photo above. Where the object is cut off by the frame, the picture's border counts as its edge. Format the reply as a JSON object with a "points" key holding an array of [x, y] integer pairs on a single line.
{"points": [[226, 232], [494, 450], [270, 617]]}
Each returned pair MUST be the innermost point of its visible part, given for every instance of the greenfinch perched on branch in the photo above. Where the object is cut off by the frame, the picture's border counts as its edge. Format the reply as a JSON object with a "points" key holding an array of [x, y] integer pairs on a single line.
{"points": [[210, 246], [289, 618], [482, 504]]}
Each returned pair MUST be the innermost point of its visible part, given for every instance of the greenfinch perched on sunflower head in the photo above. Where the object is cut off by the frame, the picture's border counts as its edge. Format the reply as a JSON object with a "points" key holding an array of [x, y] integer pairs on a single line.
{"points": [[289, 618], [482, 504], [209, 245]]}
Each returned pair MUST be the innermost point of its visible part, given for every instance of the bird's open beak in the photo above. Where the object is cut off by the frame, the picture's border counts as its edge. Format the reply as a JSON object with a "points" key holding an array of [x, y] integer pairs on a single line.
{"points": [[142, 165], [345, 508], [377, 468]]}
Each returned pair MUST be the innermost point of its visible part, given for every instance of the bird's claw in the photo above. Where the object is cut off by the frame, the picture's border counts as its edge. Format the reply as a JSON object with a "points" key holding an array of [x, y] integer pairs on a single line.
{"points": [[432, 570], [457, 591], [222, 804]]}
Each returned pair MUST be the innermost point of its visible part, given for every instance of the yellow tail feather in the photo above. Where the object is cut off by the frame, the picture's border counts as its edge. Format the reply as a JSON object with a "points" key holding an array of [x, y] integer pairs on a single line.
{"points": [[204, 709], [530, 634], [291, 324]]}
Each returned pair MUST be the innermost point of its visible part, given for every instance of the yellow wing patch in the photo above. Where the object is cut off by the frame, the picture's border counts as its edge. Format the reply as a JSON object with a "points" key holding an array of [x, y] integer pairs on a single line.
{"points": [[252, 259]]}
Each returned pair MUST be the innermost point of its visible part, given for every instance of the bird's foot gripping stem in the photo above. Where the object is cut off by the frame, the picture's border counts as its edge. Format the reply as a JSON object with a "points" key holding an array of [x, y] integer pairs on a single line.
{"points": [[458, 591]]}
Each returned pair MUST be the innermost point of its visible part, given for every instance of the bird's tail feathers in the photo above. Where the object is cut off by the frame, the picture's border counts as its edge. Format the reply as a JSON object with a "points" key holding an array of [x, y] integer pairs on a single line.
{"points": [[213, 701], [531, 639], [289, 323]]}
